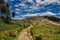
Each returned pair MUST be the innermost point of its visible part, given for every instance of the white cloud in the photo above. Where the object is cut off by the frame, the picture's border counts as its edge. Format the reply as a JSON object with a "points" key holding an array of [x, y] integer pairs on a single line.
{"points": [[11, 0], [35, 8], [47, 13], [17, 9], [28, 10], [30, 15], [30, 0], [21, 4], [40, 14], [35, 14], [32, 8], [16, 5], [38, 1], [47, 1], [17, 12]]}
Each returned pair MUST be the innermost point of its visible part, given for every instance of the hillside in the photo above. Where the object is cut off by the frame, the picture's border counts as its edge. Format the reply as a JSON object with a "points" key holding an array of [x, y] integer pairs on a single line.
{"points": [[44, 28], [10, 31]]}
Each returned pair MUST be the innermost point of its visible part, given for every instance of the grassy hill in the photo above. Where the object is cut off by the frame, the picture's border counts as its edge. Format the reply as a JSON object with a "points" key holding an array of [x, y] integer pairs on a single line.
{"points": [[45, 31], [12, 30], [43, 28]]}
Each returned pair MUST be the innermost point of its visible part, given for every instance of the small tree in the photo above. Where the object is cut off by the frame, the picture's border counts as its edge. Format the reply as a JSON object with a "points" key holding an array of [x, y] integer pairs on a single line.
{"points": [[13, 14], [1, 1], [38, 37], [5, 9]]}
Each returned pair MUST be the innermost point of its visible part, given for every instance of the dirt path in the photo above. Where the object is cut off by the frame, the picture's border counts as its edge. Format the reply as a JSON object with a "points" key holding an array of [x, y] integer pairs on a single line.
{"points": [[25, 34]]}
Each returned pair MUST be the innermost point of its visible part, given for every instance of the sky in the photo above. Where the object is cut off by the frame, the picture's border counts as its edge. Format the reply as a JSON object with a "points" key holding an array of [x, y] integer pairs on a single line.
{"points": [[30, 8]]}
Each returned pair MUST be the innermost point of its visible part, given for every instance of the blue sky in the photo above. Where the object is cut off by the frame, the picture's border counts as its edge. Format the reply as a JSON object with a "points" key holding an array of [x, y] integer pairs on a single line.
{"points": [[28, 8]]}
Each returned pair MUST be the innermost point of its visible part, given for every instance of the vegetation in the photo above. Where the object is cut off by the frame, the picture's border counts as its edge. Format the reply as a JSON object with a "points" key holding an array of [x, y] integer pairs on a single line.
{"points": [[45, 31], [5, 10], [40, 31], [13, 14], [53, 18], [12, 30]]}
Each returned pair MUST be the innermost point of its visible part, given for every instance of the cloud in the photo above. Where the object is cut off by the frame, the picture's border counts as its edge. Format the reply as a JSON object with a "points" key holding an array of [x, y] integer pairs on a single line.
{"points": [[16, 5], [27, 15], [47, 13], [28, 10], [17, 12], [34, 14], [12, 0], [34, 6], [30, 0], [30, 15], [17, 9], [38, 1], [39, 14], [46, 1], [21, 4]]}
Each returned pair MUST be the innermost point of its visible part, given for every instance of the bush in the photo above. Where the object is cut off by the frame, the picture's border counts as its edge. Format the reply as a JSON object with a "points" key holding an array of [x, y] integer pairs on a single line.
{"points": [[38, 37], [12, 34]]}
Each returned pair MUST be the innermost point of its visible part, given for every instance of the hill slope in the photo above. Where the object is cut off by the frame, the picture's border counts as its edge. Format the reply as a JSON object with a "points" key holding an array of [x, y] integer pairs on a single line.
{"points": [[44, 28], [11, 31]]}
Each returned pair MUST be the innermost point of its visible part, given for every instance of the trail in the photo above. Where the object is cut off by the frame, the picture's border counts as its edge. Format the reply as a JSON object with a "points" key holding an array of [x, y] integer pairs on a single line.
{"points": [[25, 34]]}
